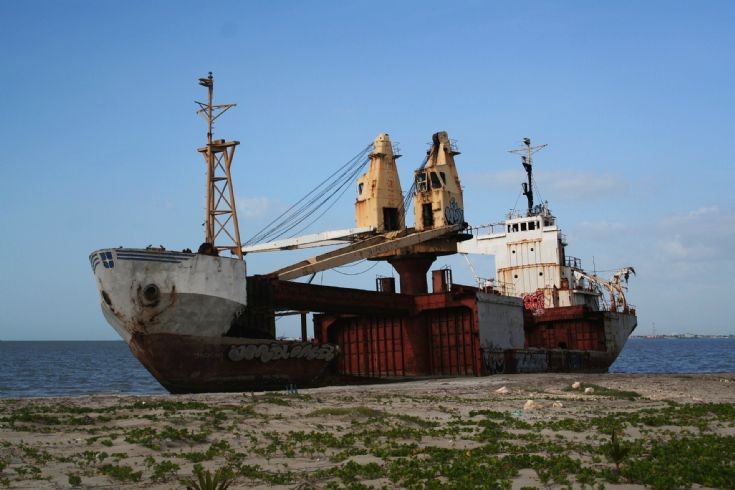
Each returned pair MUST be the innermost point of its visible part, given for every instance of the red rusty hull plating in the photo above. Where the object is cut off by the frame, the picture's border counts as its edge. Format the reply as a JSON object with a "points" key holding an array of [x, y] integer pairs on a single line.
{"points": [[188, 364], [533, 360], [442, 338], [432, 335]]}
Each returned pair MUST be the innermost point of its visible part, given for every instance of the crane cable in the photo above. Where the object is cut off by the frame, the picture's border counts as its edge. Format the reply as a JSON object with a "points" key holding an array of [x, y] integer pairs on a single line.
{"points": [[296, 213], [313, 200], [408, 197]]}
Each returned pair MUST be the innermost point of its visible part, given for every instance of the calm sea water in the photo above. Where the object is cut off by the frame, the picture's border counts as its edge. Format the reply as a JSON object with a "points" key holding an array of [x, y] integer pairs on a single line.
{"points": [[676, 356], [75, 368], [71, 368]]}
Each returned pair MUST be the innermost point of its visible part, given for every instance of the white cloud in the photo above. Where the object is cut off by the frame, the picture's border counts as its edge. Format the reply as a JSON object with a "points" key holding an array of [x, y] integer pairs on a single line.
{"points": [[683, 249], [702, 234], [582, 185], [253, 207], [699, 214], [563, 184]]}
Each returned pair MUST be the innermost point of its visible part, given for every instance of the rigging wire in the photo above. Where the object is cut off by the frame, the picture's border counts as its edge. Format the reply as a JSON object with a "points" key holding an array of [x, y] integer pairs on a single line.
{"points": [[344, 186], [354, 264], [357, 273], [538, 190], [408, 197], [313, 200], [515, 206], [320, 196]]}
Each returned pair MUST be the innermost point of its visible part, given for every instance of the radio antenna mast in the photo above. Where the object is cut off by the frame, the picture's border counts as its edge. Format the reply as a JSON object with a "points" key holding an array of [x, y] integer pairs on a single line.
{"points": [[221, 218], [526, 153]]}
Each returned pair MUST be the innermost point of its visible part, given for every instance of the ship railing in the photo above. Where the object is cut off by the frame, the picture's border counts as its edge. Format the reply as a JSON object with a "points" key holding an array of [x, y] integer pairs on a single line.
{"points": [[563, 239], [495, 286], [453, 145], [396, 148], [573, 262], [493, 227], [627, 308]]}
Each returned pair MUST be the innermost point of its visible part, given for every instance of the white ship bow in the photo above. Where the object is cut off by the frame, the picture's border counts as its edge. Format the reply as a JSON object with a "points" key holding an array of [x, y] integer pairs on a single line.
{"points": [[152, 291]]}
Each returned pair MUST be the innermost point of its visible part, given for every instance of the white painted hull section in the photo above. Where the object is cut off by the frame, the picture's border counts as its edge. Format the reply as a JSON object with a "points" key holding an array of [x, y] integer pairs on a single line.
{"points": [[153, 291]]}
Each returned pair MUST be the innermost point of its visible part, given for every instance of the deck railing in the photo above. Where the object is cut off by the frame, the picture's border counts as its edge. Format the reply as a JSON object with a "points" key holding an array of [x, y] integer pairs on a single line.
{"points": [[573, 262]]}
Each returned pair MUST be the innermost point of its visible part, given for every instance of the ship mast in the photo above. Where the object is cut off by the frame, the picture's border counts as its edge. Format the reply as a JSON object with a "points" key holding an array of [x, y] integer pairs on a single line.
{"points": [[221, 215], [526, 153]]}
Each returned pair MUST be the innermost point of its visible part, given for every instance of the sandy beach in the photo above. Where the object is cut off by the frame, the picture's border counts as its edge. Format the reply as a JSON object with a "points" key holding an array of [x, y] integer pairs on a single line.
{"points": [[494, 432]]}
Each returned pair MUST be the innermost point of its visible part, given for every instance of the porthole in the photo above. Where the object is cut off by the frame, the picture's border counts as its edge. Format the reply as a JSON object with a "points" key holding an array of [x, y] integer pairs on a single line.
{"points": [[151, 292], [512, 251], [515, 276], [540, 273], [531, 249], [151, 295]]}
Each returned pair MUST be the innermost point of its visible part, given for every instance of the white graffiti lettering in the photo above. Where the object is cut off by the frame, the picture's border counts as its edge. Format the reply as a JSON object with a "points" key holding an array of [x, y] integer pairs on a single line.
{"points": [[278, 351]]}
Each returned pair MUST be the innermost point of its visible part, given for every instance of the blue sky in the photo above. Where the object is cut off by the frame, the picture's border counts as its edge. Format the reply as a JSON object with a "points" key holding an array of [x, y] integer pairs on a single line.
{"points": [[635, 100]]}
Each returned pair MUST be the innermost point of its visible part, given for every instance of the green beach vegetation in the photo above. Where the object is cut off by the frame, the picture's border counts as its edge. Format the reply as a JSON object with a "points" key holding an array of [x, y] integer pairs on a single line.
{"points": [[370, 439]]}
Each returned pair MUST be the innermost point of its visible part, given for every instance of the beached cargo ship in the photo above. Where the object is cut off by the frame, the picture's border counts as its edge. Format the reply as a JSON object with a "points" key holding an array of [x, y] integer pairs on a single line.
{"points": [[198, 323]]}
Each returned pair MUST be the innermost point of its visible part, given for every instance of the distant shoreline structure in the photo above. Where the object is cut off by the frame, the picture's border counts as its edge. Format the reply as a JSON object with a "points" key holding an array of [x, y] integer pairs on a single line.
{"points": [[684, 336]]}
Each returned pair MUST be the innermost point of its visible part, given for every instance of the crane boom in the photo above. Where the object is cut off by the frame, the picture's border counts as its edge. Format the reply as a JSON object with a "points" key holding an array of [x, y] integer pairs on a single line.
{"points": [[334, 237], [366, 249]]}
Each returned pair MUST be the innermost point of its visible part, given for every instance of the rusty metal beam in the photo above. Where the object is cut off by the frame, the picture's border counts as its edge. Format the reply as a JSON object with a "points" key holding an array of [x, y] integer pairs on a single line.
{"points": [[363, 250], [288, 295]]}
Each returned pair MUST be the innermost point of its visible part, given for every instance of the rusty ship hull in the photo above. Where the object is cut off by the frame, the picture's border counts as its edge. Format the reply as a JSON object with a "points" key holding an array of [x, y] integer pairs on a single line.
{"points": [[190, 364], [176, 311], [463, 331], [192, 341]]}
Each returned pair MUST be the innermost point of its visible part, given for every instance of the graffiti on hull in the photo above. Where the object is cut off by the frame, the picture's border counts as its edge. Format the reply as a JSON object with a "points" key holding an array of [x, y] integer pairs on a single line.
{"points": [[574, 360], [532, 362], [494, 361], [278, 351], [534, 302]]}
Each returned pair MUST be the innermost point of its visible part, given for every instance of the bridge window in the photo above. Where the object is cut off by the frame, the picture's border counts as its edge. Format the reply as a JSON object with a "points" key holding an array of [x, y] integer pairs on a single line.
{"points": [[531, 225], [359, 188], [515, 227], [444, 177], [523, 226]]}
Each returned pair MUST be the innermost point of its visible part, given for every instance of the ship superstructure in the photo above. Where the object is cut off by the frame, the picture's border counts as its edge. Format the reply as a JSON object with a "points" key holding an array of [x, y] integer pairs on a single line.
{"points": [[566, 307], [531, 259]]}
